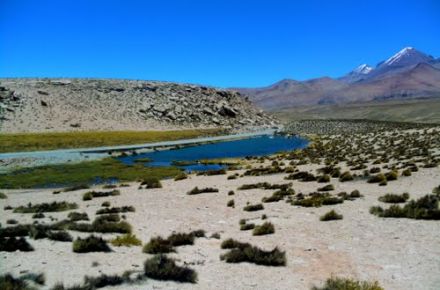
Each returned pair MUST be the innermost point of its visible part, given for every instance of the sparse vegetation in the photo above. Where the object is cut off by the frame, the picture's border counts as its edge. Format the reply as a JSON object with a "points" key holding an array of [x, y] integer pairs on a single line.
{"points": [[181, 176], [46, 207], [196, 190], [90, 244], [161, 267], [92, 194], [328, 187], [426, 207], [231, 203], [244, 252], [266, 228], [77, 216], [111, 210], [331, 216], [253, 207], [159, 245], [394, 198], [126, 240], [3, 195], [335, 283], [14, 244]]}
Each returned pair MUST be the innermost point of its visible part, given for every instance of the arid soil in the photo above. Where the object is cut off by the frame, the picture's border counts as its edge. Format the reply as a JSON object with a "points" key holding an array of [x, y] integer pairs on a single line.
{"points": [[400, 253]]}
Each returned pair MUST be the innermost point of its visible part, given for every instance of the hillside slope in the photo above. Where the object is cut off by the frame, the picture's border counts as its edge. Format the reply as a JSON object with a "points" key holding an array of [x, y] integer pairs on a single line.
{"points": [[48, 105]]}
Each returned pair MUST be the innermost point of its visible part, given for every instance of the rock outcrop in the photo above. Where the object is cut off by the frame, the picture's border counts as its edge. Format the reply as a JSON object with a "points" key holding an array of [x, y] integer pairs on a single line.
{"points": [[30, 105]]}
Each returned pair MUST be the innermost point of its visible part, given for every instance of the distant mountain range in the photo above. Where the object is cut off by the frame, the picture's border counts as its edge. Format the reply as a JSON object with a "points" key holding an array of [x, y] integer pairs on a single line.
{"points": [[409, 74]]}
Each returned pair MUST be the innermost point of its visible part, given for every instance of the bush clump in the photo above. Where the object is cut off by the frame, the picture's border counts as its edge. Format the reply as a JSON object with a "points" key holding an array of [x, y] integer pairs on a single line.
{"points": [[14, 244], [328, 187], [103, 224], [46, 207], [348, 284], [114, 210], [346, 176], [9, 282], [266, 228], [231, 203], [244, 252], [77, 216], [92, 194], [126, 240], [90, 244], [159, 245], [426, 207], [3, 195], [181, 176], [196, 190], [151, 183], [378, 178], [331, 216], [317, 199], [394, 198], [253, 207], [161, 267]]}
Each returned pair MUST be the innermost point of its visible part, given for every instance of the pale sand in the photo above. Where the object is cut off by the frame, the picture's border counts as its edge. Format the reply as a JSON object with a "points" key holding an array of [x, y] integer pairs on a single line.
{"points": [[399, 253]]}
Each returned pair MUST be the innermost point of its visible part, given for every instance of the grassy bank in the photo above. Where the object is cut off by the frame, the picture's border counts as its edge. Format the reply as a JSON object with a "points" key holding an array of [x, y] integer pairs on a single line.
{"points": [[65, 140], [82, 173]]}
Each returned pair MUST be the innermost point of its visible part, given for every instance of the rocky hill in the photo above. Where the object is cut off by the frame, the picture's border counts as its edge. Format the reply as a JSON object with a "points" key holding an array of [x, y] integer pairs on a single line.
{"points": [[36, 105]]}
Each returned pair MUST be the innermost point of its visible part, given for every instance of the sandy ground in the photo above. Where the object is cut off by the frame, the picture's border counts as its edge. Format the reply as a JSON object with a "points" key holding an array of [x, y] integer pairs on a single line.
{"points": [[399, 253]]}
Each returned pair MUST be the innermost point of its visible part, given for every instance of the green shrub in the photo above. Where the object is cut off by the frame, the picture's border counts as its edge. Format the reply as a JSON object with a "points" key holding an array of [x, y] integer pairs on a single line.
{"points": [[346, 176], [15, 231], [8, 282], [324, 178], [244, 252], [232, 176], [231, 203], [60, 236], [253, 207], [231, 192], [103, 281], [330, 216], [13, 244], [394, 198], [76, 187], [105, 204], [38, 215], [181, 239], [90, 244], [247, 227], [266, 228], [426, 207], [348, 284], [436, 190], [46, 207], [11, 222], [212, 172], [93, 194], [328, 187], [302, 176], [392, 175], [406, 172], [181, 176], [158, 245], [3, 196], [355, 194], [102, 226], [126, 240], [109, 186], [151, 183], [378, 178], [76, 216], [115, 210], [161, 267], [317, 199], [196, 190]]}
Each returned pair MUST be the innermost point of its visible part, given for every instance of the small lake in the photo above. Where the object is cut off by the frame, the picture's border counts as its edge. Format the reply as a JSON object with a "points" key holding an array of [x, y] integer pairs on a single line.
{"points": [[256, 146]]}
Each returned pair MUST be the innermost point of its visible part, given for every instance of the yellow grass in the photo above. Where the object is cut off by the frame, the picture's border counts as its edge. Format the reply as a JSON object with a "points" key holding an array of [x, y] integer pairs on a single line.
{"points": [[64, 140]]}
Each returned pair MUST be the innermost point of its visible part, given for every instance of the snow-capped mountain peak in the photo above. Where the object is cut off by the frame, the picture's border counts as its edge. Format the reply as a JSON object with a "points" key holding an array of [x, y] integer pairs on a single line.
{"points": [[363, 69], [407, 56]]}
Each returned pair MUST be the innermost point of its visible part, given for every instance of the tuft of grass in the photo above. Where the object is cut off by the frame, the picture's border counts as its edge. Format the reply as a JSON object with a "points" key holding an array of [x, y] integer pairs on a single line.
{"points": [[328, 187], [103, 224], [394, 198], [196, 190], [161, 267], [158, 245], [92, 194], [126, 240], [378, 178], [335, 283], [11, 222], [331, 216], [82, 173], [76, 187], [77, 216], [38, 215], [231, 203], [3, 195], [46, 207], [14, 244], [244, 252], [317, 199], [90, 244], [112, 210], [426, 207], [152, 182], [64, 140], [253, 207], [15, 231], [346, 176], [181, 176], [9, 282], [266, 228], [247, 227]]}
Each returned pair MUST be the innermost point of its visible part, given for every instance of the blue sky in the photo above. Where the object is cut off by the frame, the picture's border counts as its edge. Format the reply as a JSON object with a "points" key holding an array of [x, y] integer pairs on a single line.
{"points": [[221, 43]]}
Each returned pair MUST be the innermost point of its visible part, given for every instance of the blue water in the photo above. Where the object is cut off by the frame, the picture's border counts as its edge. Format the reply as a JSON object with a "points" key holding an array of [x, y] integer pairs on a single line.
{"points": [[256, 146]]}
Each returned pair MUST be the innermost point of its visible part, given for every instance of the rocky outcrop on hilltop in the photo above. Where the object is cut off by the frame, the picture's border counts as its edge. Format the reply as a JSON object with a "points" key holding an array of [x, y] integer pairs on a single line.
{"points": [[28, 105]]}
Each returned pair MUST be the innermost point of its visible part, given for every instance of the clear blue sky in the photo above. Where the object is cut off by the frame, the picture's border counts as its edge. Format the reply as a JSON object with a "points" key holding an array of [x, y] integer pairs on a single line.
{"points": [[222, 43]]}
